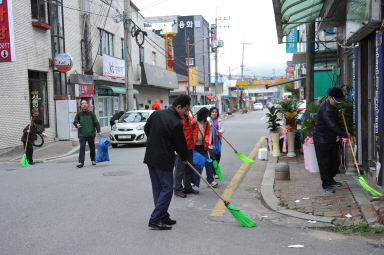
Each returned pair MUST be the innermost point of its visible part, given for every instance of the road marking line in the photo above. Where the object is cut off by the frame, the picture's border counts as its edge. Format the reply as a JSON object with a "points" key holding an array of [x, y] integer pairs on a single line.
{"points": [[220, 207]]}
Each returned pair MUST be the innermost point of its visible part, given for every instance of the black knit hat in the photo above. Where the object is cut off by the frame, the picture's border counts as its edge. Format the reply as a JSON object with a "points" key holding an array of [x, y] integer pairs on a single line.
{"points": [[337, 95]]}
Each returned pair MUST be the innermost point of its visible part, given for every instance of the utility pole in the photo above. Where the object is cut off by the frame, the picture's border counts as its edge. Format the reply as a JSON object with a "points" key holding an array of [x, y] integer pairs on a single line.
{"points": [[242, 75], [87, 45], [128, 56], [309, 85]]}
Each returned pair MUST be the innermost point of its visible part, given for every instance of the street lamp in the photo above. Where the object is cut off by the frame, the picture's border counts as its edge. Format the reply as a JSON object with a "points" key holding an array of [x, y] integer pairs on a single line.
{"points": [[189, 47]]}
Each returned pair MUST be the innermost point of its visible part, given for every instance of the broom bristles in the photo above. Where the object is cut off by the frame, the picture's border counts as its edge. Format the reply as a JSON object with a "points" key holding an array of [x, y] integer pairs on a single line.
{"points": [[240, 217], [24, 161], [218, 170], [244, 158], [368, 188]]}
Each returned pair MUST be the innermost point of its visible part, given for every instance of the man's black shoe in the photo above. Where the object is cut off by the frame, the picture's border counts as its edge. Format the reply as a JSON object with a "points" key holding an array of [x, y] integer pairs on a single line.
{"points": [[80, 165], [180, 194], [329, 189], [336, 184], [191, 191], [159, 226], [168, 221], [31, 163]]}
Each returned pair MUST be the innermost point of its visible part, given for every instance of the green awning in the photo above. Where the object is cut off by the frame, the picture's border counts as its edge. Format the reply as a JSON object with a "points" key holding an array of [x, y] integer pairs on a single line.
{"points": [[291, 13], [117, 90]]}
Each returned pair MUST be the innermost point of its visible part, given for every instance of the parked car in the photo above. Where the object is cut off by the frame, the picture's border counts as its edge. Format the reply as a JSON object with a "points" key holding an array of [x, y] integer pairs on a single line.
{"points": [[196, 108], [129, 129], [258, 106]]}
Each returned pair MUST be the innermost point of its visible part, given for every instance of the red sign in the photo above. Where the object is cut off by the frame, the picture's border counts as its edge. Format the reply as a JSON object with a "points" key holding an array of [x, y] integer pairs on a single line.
{"points": [[63, 62], [85, 90], [7, 47]]}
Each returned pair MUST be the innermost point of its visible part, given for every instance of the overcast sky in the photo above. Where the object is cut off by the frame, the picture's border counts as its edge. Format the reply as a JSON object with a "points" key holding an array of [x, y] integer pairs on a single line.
{"points": [[250, 20]]}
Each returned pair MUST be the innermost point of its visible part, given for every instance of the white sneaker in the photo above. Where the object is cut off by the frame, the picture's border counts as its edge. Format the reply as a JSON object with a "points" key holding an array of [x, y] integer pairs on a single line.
{"points": [[214, 184]]}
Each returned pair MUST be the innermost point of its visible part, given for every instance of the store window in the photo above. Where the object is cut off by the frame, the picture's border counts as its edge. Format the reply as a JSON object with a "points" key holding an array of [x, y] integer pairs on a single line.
{"points": [[105, 43], [108, 106], [58, 46], [39, 11], [38, 96]]}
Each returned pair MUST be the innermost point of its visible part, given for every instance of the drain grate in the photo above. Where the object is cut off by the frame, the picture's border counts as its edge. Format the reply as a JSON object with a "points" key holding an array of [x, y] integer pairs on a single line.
{"points": [[116, 173]]}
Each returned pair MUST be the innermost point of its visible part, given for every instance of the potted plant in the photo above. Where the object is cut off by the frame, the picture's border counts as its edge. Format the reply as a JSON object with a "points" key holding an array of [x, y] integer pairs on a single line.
{"points": [[274, 130], [289, 111]]}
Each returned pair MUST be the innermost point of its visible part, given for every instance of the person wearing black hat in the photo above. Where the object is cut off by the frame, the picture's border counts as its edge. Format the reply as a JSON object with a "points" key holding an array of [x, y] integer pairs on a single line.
{"points": [[326, 135]]}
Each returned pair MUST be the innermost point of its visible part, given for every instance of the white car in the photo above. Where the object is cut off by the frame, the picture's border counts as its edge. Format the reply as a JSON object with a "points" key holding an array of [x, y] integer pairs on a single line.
{"points": [[258, 106], [196, 108], [129, 129]]}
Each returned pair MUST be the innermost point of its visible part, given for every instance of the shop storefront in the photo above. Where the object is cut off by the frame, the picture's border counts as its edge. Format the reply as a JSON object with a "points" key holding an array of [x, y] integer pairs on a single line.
{"points": [[38, 96]]}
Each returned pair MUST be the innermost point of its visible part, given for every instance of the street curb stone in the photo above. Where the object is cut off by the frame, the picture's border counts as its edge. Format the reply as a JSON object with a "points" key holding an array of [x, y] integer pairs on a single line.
{"points": [[269, 197]]}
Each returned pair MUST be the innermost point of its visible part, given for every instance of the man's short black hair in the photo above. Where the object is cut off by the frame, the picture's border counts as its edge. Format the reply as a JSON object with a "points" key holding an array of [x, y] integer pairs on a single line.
{"points": [[336, 92], [182, 100]]}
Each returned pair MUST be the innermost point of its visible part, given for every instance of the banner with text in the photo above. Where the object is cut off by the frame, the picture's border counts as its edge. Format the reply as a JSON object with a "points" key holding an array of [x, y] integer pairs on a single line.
{"points": [[7, 40], [113, 67], [291, 45]]}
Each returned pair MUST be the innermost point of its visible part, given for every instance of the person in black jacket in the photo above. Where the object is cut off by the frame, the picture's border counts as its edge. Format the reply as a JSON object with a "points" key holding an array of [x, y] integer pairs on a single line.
{"points": [[164, 130], [326, 136], [33, 131], [116, 116]]}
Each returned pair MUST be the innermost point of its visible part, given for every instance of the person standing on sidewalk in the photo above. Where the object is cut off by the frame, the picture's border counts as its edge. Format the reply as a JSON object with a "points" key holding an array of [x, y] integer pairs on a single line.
{"points": [[33, 131], [164, 130], [216, 138], [183, 173], [326, 136], [86, 122]]}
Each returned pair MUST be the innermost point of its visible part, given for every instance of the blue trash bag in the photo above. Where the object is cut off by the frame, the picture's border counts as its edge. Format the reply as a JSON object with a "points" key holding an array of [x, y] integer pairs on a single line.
{"points": [[102, 150], [199, 163]]}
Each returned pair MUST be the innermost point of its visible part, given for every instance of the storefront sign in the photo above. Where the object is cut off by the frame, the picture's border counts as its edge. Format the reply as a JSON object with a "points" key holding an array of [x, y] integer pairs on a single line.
{"points": [[84, 90], [291, 45], [63, 62], [7, 40], [113, 67], [193, 76]]}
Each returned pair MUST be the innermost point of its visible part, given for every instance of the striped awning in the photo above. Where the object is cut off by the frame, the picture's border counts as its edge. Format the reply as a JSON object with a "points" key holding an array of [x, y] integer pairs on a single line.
{"points": [[292, 13]]}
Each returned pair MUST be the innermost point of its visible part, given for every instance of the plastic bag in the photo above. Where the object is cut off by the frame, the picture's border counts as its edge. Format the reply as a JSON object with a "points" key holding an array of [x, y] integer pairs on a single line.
{"points": [[102, 150]]}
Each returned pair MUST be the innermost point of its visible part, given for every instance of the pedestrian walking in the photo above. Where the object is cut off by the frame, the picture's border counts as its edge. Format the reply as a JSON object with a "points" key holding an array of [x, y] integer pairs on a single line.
{"points": [[326, 136], [33, 131], [156, 105], [203, 146], [164, 130], [216, 138], [116, 116], [183, 173], [86, 122]]}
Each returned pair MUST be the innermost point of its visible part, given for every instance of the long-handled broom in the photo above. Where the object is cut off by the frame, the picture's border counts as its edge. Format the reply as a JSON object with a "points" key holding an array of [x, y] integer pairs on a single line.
{"points": [[239, 216], [214, 162], [362, 181], [238, 153], [24, 161]]}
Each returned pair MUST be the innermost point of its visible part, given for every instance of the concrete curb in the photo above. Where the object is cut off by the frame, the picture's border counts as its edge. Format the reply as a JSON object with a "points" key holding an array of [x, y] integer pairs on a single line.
{"points": [[73, 151], [269, 197]]}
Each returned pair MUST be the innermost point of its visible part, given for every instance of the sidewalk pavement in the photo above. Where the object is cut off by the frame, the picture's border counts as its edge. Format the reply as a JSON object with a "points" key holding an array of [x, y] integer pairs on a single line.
{"points": [[303, 197]]}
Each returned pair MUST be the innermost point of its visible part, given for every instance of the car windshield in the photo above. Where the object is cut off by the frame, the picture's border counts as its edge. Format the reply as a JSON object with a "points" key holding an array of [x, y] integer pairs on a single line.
{"points": [[134, 117]]}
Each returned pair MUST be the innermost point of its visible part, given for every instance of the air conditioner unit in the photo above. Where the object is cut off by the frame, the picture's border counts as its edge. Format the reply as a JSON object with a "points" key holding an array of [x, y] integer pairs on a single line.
{"points": [[363, 17]]}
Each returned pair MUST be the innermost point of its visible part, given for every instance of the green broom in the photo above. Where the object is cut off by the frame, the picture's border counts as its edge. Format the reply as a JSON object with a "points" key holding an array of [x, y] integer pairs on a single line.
{"points": [[362, 181], [239, 216], [217, 169], [238, 153], [24, 161]]}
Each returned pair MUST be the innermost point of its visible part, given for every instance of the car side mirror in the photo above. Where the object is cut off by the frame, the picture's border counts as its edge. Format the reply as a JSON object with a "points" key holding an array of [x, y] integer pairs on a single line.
{"points": [[116, 121]]}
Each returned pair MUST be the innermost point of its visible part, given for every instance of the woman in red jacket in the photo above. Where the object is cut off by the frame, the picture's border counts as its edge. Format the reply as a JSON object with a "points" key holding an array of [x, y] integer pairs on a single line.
{"points": [[203, 145]]}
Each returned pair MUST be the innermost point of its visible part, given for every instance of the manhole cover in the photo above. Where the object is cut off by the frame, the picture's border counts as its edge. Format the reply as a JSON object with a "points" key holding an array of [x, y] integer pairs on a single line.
{"points": [[116, 173]]}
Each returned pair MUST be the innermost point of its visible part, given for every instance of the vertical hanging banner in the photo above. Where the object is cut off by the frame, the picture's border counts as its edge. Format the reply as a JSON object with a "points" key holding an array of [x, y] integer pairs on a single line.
{"points": [[379, 106], [355, 83], [7, 40], [193, 76], [291, 45]]}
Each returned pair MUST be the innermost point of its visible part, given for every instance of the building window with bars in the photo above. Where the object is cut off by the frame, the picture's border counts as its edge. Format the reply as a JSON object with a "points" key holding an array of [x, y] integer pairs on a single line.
{"points": [[39, 11], [105, 43]]}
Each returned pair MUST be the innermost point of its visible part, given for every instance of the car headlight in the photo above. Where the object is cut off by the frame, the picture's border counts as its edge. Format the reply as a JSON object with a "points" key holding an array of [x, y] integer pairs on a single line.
{"points": [[141, 127], [114, 128]]}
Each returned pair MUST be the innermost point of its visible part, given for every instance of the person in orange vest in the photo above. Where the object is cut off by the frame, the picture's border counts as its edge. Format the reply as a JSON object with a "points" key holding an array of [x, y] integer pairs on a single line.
{"points": [[156, 105], [203, 146]]}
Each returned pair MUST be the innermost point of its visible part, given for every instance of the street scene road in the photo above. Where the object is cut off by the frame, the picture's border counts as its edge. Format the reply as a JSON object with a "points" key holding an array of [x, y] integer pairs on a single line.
{"points": [[56, 208]]}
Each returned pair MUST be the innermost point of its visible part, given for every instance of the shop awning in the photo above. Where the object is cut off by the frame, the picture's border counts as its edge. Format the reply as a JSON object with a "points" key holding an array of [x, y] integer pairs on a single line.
{"points": [[117, 90], [291, 13], [324, 57], [158, 77]]}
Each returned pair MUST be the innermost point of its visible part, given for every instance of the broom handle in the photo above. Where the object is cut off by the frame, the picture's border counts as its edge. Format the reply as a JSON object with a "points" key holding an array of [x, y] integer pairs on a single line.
{"points": [[209, 185], [29, 129], [350, 144], [233, 148]]}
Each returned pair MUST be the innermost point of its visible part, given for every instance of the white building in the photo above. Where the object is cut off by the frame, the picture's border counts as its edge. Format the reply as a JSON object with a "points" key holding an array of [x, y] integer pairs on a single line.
{"points": [[87, 31]]}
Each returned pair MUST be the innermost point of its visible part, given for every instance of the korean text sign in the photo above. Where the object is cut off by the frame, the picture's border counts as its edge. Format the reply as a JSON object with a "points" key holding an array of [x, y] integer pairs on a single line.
{"points": [[7, 44]]}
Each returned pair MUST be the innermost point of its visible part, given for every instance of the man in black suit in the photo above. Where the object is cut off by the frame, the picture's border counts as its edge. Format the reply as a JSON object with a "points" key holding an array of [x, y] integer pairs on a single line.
{"points": [[164, 130]]}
